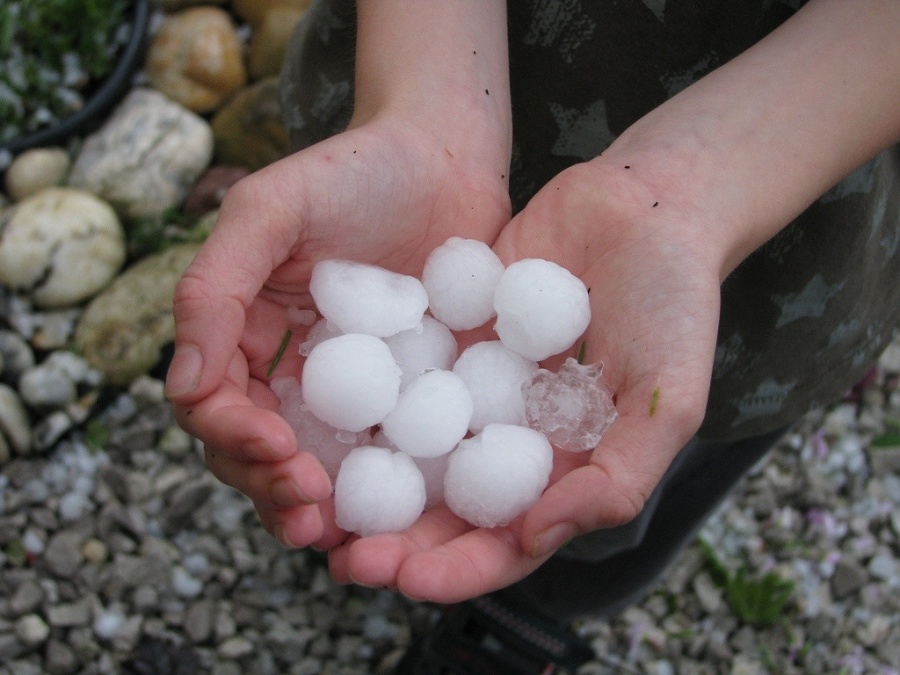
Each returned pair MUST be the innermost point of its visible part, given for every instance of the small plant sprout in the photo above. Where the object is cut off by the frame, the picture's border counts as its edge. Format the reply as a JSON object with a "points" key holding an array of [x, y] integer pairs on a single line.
{"points": [[756, 601], [284, 343]]}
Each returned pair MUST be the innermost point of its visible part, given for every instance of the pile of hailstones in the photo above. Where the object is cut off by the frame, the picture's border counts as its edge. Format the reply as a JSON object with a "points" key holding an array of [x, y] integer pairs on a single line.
{"points": [[401, 424]]}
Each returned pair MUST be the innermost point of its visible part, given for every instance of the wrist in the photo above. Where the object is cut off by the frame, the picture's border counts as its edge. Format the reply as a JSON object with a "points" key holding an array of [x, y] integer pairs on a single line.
{"points": [[442, 67]]}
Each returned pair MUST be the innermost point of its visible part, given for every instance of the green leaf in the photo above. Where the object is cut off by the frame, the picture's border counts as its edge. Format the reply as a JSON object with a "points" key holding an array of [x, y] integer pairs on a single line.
{"points": [[15, 553], [96, 435], [887, 440]]}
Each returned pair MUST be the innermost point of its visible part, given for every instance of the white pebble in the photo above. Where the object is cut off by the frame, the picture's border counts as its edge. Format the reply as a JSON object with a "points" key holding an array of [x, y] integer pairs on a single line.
{"points": [[107, 623], [460, 276], [351, 382], [329, 445], [378, 491], [32, 630], [494, 375], [73, 506], [361, 298], [498, 474], [542, 308], [185, 584], [427, 347], [431, 416]]}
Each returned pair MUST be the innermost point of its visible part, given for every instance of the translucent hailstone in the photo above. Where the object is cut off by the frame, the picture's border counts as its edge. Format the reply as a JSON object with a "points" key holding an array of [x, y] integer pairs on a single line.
{"points": [[328, 444], [361, 298], [498, 474], [320, 331], [494, 375], [351, 381], [542, 308], [429, 346], [460, 276], [301, 317], [378, 491], [431, 416], [571, 407]]}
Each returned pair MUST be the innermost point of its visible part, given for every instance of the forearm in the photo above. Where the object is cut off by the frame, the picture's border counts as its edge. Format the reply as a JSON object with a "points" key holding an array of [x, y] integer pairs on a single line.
{"points": [[756, 141], [441, 64]]}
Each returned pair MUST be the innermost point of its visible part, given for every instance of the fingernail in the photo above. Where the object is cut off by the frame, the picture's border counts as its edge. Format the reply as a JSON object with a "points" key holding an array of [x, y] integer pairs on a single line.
{"points": [[552, 538], [281, 536], [285, 493], [184, 371], [262, 451]]}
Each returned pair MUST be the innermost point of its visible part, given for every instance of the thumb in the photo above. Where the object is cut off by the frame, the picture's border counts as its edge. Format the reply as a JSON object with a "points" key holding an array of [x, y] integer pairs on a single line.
{"points": [[250, 239], [612, 488]]}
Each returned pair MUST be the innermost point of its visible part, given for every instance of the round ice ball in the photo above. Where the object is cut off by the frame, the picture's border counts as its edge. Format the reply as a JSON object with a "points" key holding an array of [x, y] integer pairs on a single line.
{"points": [[361, 298], [431, 416], [494, 375], [460, 276], [378, 491], [428, 346], [542, 308], [351, 381], [498, 474]]}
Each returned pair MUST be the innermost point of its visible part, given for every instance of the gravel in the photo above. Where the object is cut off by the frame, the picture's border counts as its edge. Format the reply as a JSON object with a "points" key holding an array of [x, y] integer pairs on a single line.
{"points": [[119, 553]]}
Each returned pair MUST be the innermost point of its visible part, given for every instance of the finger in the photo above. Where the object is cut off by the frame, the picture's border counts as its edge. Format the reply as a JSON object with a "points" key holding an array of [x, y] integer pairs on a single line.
{"points": [[284, 484], [375, 560], [475, 563], [293, 527], [611, 489], [332, 535], [251, 238]]}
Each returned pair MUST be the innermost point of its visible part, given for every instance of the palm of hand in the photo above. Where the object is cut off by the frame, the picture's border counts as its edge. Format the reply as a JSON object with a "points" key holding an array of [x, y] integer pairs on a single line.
{"points": [[654, 297], [375, 194]]}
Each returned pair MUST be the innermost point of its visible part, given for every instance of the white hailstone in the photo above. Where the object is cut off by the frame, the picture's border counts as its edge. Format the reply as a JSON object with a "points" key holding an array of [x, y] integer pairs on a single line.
{"points": [[329, 445], [351, 382], [494, 375], [361, 298], [432, 468], [542, 308], [460, 276], [498, 474], [320, 331], [571, 407], [416, 350], [431, 416], [378, 491]]}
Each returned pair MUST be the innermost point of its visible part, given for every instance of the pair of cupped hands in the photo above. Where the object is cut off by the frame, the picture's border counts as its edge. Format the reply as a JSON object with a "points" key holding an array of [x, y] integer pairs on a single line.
{"points": [[387, 194]]}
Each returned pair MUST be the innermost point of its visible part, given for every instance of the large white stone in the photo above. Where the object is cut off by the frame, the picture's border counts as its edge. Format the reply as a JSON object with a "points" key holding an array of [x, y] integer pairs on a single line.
{"points": [[147, 156], [61, 246]]}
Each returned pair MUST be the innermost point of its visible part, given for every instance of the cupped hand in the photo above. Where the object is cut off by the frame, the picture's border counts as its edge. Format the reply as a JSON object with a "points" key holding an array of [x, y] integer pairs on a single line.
{"points": [[383, 192], [654, 282]]}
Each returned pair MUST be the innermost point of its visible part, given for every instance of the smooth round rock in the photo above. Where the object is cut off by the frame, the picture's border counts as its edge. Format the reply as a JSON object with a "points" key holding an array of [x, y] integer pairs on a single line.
{"points": [[123, 330], [61, 246], [196, 58], [36, 169]]}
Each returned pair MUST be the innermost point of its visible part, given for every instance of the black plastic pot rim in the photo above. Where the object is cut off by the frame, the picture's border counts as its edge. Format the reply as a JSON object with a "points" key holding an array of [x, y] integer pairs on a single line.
{"points": [[110, 91]]}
